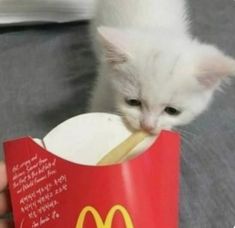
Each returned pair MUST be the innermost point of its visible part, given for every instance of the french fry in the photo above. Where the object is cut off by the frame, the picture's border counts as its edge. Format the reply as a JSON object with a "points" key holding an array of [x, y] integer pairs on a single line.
{"points": [[122, 150]]}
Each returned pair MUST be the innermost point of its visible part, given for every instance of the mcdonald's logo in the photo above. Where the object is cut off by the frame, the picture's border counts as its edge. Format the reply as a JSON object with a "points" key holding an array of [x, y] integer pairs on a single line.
{"points": [[107, 223]]}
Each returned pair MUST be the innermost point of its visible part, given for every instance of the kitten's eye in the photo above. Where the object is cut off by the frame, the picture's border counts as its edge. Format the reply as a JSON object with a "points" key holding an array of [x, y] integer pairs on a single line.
{"points": [[172, 111], [133, 102]]}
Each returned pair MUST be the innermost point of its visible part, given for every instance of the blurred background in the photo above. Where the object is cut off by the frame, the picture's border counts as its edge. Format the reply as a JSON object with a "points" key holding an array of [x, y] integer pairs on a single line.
{"points": [[47, 71]]}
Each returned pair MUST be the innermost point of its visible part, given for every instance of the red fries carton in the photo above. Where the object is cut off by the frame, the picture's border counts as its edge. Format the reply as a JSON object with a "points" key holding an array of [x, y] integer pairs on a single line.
{"points": [[49, 191]]}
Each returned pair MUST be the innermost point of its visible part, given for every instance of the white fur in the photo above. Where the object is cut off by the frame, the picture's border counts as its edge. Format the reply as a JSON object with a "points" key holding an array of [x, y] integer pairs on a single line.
{"points": [[146, 52]]}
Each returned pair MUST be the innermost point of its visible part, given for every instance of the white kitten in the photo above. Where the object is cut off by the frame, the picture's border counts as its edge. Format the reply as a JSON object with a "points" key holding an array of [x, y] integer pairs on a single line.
{"points": [[152, 71]]}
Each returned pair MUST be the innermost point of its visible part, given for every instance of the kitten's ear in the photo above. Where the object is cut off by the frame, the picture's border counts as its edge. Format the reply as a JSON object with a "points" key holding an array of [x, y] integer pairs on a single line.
{"points": [[214, 68], [115, 43]]}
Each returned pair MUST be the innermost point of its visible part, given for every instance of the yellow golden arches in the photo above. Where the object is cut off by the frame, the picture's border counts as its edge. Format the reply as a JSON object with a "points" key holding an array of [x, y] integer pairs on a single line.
{"points": [[125, 215], [107, 223]]}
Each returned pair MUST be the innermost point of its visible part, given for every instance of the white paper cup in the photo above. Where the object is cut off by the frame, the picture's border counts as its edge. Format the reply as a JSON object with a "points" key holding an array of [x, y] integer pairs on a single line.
{"points": [[86, 138]]}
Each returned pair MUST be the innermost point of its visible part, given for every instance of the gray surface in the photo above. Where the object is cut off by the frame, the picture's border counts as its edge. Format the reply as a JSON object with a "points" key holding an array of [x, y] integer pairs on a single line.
{"points": [[46, 75]]}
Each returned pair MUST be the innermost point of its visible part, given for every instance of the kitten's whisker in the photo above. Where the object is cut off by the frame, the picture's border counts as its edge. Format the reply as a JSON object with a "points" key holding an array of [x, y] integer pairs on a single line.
{"points": [[118, 112], [186, 132], [186, 141]]}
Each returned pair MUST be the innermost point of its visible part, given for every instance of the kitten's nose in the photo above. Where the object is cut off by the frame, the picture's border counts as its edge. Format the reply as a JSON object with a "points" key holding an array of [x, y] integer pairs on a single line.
{"points": [[147, 127]]}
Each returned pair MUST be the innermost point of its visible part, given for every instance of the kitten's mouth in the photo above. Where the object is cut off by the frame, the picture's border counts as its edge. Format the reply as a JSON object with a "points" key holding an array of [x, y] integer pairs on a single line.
{"points": [[154, 131], [133, 128]]}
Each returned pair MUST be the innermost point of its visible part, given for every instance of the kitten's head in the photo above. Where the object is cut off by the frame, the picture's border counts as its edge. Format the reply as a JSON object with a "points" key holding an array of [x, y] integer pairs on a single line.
{"points": [[161, 81]]}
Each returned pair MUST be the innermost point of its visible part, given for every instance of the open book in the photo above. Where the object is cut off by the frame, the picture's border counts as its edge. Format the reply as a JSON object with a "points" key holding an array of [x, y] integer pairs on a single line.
{"points": [[36, 11]]}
